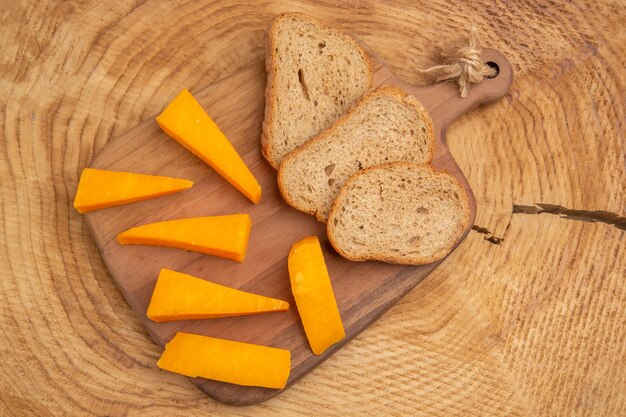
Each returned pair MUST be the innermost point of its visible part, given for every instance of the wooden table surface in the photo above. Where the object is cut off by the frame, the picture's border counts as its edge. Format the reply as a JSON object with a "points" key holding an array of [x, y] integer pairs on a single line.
{"points": [[527, 317]]}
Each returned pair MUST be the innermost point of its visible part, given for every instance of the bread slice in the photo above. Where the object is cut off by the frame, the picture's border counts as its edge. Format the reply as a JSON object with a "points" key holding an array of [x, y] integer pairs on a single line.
{"points": [[314, 75], [385, 125], [400, 213]]}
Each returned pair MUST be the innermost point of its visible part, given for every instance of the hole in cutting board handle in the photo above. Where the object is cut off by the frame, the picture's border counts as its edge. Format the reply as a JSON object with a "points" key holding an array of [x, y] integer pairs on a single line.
{"points": [[494, 66]]}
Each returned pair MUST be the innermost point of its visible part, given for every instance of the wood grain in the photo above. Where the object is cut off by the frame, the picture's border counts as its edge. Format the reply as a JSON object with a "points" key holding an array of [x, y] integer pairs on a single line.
{"points": [[531, 326], [363, 290]]}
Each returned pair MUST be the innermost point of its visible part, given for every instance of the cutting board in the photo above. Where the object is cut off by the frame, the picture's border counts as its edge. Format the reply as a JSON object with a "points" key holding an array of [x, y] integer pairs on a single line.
{"points": [[364, 290]]}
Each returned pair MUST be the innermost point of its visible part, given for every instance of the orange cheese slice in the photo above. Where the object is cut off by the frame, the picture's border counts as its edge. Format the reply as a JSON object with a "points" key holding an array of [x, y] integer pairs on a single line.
{"points": [[187, 122], [179, 296], [227, 361], [313, 292], [98, 189], [224, 236]]}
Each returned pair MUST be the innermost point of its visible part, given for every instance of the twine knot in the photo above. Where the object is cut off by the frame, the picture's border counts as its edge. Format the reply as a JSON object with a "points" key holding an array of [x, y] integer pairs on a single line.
{"points": [[463, 65]]}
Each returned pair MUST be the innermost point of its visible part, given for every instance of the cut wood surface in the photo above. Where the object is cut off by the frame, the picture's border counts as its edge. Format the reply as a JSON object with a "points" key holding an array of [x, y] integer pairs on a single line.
{"points": [[364, 290], [527, 317]]}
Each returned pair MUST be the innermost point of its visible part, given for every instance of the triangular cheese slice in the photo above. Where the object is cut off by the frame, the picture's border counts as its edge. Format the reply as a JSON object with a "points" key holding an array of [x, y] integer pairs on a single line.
{"points": [[187, 122], [224, 360], [224, 236], [99, 188], [313, 292], [179, 296]]}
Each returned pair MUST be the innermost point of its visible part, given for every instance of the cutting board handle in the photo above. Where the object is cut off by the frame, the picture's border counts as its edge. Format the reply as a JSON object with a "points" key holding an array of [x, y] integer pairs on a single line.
{"points": [[443, 102]]}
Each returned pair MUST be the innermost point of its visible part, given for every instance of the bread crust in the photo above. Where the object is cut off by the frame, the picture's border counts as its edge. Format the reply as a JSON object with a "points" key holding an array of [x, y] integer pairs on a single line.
{"points": [[387, 258], [322, 136], [271, 68]]}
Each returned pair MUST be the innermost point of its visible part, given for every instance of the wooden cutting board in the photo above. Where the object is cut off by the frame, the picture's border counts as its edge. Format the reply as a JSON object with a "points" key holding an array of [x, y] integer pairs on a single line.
{"points": [[363, 290]]}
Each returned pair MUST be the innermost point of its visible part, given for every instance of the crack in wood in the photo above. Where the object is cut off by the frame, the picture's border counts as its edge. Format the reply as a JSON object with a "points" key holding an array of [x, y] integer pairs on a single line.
{"points": [[594, 216], [490, 237], [600, 216]]}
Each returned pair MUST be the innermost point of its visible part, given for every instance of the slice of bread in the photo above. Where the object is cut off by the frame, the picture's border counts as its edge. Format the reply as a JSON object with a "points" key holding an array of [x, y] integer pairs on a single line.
{"points": [[400, 213], [385, 125], [314, 75]]}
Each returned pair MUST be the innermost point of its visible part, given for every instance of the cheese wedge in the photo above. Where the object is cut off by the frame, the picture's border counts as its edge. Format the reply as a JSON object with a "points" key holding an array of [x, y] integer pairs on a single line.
{"points": [[98, 188], [185, 121], [179, 296], [224, 236], [314, 295], [226, 360]]}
